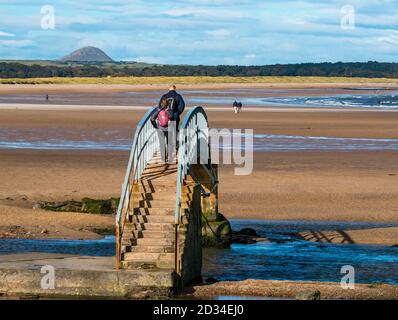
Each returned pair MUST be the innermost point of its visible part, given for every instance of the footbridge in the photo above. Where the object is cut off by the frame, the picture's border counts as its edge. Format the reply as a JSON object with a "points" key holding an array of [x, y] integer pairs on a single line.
{"points": [[158, 222]]}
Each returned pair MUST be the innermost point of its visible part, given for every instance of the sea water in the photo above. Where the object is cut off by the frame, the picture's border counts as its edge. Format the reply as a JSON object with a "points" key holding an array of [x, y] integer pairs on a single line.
{"points": [[283, 258], [48, 139]]}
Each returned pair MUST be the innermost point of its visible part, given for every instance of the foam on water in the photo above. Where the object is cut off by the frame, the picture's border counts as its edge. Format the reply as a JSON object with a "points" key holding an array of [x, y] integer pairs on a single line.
{"points": [[338, 101]]}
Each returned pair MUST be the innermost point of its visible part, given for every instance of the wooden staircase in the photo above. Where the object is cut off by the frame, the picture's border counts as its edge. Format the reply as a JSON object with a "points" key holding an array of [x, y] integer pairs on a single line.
{"points": [[158, 221], [148, 239]]}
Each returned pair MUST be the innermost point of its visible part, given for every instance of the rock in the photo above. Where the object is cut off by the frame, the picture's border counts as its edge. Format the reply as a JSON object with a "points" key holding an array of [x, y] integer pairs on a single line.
{"points": [[308, 295], [65, 206], [211, 280], [44, 231], [104, 231], [246, 236], [216, 233], [242, 239], [248, 232], [96, 206], [86, 205]]}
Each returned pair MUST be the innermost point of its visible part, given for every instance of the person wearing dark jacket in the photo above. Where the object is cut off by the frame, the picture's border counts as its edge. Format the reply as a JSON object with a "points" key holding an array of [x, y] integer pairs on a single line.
{"points": [[178, 104], [175, 105]]}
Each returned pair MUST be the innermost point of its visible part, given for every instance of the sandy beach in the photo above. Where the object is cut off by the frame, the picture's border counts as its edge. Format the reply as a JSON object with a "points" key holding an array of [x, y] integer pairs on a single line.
{"points": [[311, 185]]}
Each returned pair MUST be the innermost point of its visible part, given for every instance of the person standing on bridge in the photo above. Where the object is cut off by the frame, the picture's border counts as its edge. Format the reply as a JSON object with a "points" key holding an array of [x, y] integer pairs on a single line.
{"points": [[171, 106], [178, 104]]}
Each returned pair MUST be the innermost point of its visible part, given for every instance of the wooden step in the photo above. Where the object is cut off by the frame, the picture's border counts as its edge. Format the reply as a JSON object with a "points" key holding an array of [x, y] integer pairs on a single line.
{"points": [[159, 226], [159, 188], [166, 218], [158, 211], [162, 196], [152, 234], [157, 234], [137, 234], [165, 178], [130, 227], [154, 226], [126, 242], [148, 256], [156, 186], [169, 203], [151, 196], [156, 249], [154, 242], [159, 171], [160, 166], [148, 265], [166, 204], [138, 265]]}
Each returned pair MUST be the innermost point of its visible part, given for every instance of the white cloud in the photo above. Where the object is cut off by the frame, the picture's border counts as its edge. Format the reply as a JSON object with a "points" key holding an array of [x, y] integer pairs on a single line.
{"points": [[222, 13], [86, 42], [16, 43], [391, 39], [219, 33], [180, 12], [6, 34], [147, 59], [76, 19], [250, 56]]}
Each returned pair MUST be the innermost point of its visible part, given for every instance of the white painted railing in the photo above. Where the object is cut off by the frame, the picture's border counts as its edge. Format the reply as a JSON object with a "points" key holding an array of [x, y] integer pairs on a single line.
{"points": [[194, 148], [145, 144]]}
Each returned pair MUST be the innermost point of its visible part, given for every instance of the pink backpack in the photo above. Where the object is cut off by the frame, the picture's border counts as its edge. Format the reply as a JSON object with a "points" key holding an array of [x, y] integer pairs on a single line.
{"points": [[163, 118]]}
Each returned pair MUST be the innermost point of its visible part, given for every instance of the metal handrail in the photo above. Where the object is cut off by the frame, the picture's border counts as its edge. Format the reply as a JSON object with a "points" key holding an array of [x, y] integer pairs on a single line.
{"points": [[194, 148], [145, 144]]}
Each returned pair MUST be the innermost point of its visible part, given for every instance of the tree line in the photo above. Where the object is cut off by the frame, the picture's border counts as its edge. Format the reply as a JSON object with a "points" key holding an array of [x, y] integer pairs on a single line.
{"points": [[369, 69]]}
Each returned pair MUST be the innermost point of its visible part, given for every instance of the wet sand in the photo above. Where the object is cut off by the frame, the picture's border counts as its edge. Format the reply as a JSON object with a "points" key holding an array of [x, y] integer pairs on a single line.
{"points": [[334, 186], [294, 186], [346, 186], [31, 176]]}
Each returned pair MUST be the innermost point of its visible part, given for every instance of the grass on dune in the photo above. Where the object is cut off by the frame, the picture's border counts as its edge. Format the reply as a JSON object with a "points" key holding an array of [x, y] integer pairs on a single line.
{"points": [[194, 80]]}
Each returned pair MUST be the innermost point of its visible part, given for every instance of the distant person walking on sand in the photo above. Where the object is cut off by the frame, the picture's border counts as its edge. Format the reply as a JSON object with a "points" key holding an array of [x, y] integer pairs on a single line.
{"points": [[237, 106], [47, 97], [169, 110]]}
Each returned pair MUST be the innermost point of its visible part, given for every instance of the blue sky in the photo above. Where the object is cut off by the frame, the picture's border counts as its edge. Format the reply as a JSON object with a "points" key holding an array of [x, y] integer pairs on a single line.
{"points": [[246, 32]]}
